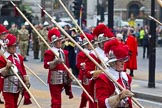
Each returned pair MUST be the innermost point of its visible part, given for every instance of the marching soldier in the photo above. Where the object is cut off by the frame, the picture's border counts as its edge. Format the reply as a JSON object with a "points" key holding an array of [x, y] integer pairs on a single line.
{"points": [[58, 77], [102, 33], [35, 39], [80, 63], [23, 38], [105, 89], [11, 84], [44, 34], [13, 30], [3, 34]]}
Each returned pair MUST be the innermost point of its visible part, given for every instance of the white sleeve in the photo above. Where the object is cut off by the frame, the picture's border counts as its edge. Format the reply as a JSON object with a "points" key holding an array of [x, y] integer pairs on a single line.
{"points": [[107, 103]]}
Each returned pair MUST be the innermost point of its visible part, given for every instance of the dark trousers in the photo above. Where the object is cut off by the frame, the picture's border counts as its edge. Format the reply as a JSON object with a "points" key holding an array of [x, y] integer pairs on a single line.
{"points": [[145, 51]]}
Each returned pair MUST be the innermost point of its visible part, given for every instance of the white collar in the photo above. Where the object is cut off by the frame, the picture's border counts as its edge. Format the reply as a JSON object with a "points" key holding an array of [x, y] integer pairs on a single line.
{"points": [[115, 74], [56, 50], [86, 50], [7, 54]]}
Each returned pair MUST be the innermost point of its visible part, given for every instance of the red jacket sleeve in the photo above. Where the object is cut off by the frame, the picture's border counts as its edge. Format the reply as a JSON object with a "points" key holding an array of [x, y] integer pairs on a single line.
{"points": [[81, 57], [104, 89], [48, 56], [90, 66]]}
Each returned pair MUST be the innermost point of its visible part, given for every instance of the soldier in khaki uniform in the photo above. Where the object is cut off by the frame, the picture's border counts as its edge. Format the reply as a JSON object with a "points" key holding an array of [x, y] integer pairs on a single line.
{"points": [[35, 43], [13, 30], [23, 38], [44, 34]]}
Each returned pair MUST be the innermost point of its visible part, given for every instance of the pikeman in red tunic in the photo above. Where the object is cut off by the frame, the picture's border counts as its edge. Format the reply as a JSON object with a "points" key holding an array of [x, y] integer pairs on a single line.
{"points": [[102, 33], [11, 84], [107, 94], [81, 58], [58, 77], [3, 33]]}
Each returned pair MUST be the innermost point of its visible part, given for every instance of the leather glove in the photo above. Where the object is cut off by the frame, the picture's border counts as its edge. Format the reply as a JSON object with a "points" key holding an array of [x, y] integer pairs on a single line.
{"points": [[114, 101], [96, 73], [58, 61], [83, 65], [8, 65], [125, 93], [6, 69], [52, 64], [26, 80]]}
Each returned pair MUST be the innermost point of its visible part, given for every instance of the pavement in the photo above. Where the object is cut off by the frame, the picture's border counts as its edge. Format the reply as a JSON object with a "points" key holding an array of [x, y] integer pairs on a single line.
{"points": [[139, 83]]}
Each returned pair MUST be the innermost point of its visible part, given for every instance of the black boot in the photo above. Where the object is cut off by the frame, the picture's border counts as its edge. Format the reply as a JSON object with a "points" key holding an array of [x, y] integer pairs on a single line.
{"points": [[131, 73]]}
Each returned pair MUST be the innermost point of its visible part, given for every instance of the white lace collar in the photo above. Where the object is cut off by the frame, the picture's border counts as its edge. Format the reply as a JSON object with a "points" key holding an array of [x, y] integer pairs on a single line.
{"points": [[115, 74]]}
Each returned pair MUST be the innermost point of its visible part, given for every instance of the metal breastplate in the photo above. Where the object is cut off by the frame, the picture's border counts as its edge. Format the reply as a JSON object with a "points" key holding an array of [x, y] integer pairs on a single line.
{"points": [[58, 77], [12, 83]]}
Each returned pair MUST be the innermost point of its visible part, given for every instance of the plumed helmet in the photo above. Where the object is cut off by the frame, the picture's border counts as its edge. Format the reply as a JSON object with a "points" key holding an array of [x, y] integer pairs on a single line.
{"points": [[5, 23], [10, 40], [103, 33], [115, 51], [89, 36], [3, 30], [54, 35]]}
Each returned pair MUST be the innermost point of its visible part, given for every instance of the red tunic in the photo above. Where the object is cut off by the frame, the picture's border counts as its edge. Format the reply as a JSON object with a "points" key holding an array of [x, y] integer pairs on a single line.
{"points": [[105, 88], [81, 57], [12, 98], [56, 89], [49, 56], [90, 66], [19, 64], [132, 44]]}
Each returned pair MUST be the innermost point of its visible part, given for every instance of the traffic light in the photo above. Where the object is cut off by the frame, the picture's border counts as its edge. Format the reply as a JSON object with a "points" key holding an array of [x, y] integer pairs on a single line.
{"points": [[76, 8]]}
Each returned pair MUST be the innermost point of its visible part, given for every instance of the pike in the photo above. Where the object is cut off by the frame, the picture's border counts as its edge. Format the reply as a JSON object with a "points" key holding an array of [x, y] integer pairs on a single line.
{"points": [[53, 51], [12, 68], [155, 20], [108, 75], [35, 74], [159, 2]]}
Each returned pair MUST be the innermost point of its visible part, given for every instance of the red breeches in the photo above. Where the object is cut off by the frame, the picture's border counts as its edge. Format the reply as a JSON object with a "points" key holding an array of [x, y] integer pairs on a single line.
{"points": [[10, 99]]}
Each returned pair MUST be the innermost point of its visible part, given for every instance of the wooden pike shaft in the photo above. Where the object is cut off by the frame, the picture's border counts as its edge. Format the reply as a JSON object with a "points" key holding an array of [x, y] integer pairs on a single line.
{"points": [[155, 20], [35, 74]]}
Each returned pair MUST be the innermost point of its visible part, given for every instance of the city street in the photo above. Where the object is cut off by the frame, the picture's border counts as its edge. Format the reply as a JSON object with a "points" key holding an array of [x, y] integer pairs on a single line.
{"points": [[41, 92]]}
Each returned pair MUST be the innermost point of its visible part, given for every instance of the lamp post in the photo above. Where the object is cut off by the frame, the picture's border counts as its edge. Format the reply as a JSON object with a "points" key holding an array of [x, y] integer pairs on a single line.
{"points": [[152, 48], [111, 13]]}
